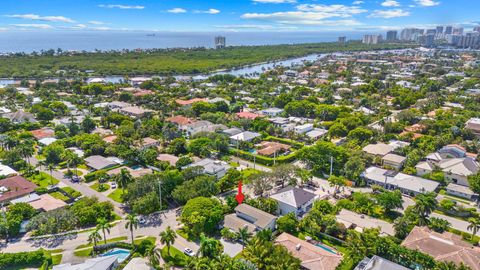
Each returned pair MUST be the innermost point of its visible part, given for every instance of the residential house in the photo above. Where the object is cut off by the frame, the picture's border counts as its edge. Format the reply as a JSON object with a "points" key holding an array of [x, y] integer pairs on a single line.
{"points": [[378, 149], [249, 217], [360, 222], [42, 133], [447, 247], [246, 136], [394, 161], [232, 131], [302, 129], [248, 115], [312, 257], [189, 103], [44, 202], [378, 263], [407, 184], [272, 148], [118, 105], [20, 117], [180, 120], [171, 159], [99, 263], [135, 111], [272, 112], [460, 191], [294, 200], [196, 127], [47, 141], [148, 143], [99, 162], [473, 125], [135, 173], [6, 171], [15, 187], [454, 161], [211, 167], [316, 133]]}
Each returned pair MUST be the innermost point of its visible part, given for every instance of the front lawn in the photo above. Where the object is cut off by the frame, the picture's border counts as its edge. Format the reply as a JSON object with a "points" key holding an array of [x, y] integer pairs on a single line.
{"points": [[60, 196], [73, 193], [176, 257], [111, 240], [139, 239], [43, 180], [116, 195], [100, 187]]}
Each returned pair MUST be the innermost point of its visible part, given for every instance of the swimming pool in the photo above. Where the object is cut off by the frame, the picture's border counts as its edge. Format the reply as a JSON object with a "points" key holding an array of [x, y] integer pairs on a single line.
{"points": [[326, 248], [120, 253]]}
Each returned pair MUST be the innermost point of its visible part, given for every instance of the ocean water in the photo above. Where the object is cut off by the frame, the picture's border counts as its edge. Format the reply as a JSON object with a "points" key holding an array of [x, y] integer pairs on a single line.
{"points": [[24, 41]]}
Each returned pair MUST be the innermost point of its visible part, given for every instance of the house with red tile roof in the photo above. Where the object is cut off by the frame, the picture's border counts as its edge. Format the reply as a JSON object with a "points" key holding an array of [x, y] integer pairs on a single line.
{"points": [[248, 115], [15, 187]]}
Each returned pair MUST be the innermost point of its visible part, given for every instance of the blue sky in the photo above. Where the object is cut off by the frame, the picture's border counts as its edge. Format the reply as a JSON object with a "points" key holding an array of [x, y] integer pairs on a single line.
{"points": [[234, 15]]}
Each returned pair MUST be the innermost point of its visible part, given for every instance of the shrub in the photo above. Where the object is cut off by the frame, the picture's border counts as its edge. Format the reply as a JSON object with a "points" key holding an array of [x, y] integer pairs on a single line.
{"points": [[228, 235], [97, 175], [23, 259]]}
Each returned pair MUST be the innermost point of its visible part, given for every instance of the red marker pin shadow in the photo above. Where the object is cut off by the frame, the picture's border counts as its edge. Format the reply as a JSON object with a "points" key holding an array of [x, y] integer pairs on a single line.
{"points": [[240, 197]]}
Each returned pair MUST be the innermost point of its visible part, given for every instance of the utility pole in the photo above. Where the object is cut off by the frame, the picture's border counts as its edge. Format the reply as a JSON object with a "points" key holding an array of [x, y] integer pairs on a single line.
{"points": [[6, 224], [160, 194], [331, 165]]}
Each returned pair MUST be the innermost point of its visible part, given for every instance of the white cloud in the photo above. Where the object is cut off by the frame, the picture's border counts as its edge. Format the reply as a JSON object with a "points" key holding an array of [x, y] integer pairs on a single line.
{"points": [[36, 17], [311, 14], [427, 3], [177, 10], [209, 11], [358, 2], [32, 25], [96, 22], [275, 1], [3, 29], [121, 6], [391, 3], [388, 14]]}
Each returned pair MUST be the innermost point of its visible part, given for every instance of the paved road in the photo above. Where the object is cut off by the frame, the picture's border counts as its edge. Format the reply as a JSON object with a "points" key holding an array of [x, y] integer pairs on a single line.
{"points": [[154, 225], [81, 187], [455, 222]]}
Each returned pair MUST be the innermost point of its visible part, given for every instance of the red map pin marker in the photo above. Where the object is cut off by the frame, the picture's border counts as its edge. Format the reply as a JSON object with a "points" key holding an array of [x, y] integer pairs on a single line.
{"points": [[240, 197]]}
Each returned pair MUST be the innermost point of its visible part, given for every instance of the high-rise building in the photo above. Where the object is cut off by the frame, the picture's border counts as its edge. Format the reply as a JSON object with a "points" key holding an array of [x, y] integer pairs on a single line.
{"points": [[410, 34], [426, 40], [342, 40], [372, 39], [392, 35], [448, 30], [439, 29], [220, 42], [476, 29], [458, 31], [431, 31], [470, 40]]}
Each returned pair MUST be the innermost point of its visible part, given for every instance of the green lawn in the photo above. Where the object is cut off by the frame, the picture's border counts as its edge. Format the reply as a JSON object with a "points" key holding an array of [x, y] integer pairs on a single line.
{"points": [[116, 195], [60, 196], [185, 235], [72, 192], [100, 187], [141, 238], [83, 252], [176, 257], [82, 166], [56, 259], [43, 179]]}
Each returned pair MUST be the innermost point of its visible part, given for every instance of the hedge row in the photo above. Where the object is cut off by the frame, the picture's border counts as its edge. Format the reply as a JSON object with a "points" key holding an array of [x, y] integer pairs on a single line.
{"points": [[23, 259], [263, 160]]}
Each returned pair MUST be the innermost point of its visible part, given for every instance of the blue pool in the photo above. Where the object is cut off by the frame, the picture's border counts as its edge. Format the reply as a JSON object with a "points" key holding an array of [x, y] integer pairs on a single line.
{"points": [[120, 253], [326, 248]]}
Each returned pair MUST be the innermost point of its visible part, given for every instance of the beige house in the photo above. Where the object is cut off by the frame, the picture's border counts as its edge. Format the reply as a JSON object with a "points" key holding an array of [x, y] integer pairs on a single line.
{"points": [[378, 150], [394, 161], [249, 217]]}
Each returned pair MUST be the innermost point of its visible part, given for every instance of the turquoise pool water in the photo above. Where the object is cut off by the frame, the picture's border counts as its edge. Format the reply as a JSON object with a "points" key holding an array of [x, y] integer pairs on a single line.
{"points": [[326, 248], [120, 253]]}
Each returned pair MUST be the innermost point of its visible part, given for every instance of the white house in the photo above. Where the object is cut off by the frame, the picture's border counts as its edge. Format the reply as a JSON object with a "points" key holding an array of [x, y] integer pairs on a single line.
{"points": [[294, 200], [272, 112], [212, 167], [302, 129]]}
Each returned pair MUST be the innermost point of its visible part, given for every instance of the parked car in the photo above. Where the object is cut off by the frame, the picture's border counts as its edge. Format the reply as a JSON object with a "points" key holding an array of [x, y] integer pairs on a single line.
{"points": [[141, 220], [75, 179], [189, 252], [113, 185]]}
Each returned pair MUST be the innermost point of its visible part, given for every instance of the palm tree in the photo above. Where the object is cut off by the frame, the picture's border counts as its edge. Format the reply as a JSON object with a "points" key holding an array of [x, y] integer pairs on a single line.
{"points": [[209, 247], [102, 224], [154, 256], [474, 226], [72, 160], [167, 237], [50, 168], [132, 223], [94, 237], [123, 179], [244, 235], [265, 235], [26, 150]]}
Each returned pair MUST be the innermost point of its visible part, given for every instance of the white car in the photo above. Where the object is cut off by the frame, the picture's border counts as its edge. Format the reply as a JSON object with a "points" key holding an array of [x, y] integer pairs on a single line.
{"points": [[113, 185], [189, 252], [141, 220]]}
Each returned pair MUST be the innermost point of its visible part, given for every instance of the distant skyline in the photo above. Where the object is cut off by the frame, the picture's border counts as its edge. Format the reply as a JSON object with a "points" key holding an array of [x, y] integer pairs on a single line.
{"points": [[234, 15]]}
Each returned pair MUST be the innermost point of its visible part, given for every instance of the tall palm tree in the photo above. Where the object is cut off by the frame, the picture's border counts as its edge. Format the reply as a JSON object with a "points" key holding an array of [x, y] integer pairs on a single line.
{"points": [[167, 237], [94, 237], [265, 235], [26, 150], [50, 168], [102, 224], [244, 235], [132, 223], [154, 256], [209, 247], [474, 226], [72, 160], [123, 179]]}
